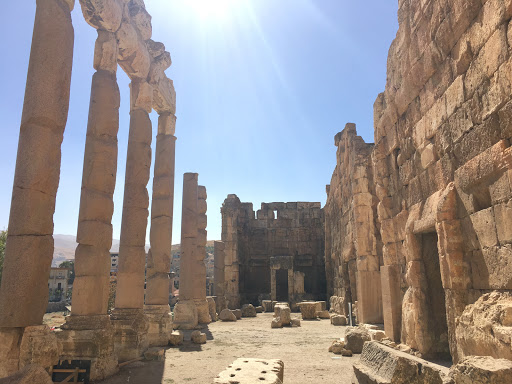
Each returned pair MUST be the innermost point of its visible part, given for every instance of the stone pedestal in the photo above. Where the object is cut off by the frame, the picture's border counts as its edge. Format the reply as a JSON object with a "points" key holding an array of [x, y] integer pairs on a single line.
{"points": [[160, 324], [130, 333], [19, 347], [90, 338], [185, 315], [203, 311]]}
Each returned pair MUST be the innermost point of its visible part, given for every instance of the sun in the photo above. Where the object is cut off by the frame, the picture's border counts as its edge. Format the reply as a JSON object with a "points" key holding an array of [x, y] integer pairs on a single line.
{"points": [[216, 10]]}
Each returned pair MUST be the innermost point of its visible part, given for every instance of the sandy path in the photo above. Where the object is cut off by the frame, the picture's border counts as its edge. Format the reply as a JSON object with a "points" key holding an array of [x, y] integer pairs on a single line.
{"points": [[303, 350]]}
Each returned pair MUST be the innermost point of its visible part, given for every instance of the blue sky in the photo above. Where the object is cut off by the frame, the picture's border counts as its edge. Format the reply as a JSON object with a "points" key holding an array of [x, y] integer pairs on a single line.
{"points": [[262, 88]]}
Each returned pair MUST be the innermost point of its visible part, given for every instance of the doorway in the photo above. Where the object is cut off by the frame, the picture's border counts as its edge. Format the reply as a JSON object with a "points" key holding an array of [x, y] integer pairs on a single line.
{"points": [[282, 285], [436, 304]]}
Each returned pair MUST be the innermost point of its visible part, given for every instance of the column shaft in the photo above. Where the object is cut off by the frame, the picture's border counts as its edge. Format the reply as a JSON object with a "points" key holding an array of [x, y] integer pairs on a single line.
{"points": [[94, 235], [159, 257], [29, 250], [132, 254]]}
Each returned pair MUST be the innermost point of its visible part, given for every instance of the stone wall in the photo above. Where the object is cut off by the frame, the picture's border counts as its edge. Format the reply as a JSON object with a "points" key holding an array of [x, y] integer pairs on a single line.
{"points": [[278, 229], [442, 166], [436, 184], [352, 240]]}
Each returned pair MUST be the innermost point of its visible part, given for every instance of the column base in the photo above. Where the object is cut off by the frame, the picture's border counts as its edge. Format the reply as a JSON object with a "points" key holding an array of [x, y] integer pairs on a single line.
{"points": [[130, 333], [20, 347], [90, 337], [185, 315], [160, 324], [203, 311]]}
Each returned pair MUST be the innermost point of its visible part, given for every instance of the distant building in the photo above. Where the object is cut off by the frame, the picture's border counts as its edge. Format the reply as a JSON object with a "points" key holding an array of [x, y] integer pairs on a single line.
{"points": [[58, 283], [114, 263]]}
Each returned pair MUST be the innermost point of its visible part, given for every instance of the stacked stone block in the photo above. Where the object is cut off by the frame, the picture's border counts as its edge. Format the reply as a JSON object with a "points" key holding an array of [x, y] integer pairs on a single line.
{"points": [[352, 240], [252, 240]]}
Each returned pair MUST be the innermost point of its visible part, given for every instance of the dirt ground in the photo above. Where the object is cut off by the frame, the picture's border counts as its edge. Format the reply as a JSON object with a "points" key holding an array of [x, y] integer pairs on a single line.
{"points": [[303, 350]]}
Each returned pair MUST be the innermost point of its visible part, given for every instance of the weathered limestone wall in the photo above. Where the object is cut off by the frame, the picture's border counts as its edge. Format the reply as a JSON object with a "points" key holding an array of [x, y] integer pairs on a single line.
{"points": [[352, 239], [442, 166], [252, 240]]}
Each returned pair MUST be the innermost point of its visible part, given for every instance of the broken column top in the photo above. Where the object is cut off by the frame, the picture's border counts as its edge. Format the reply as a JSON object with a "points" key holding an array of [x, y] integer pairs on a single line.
{"points": [[140, 57]]}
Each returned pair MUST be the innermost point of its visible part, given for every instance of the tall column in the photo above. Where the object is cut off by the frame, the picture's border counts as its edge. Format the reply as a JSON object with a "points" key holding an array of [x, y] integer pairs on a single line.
{"points": [[185, 311], [29, 249], [218, 275], [230, 211], [130, 322], [94, 235], [159, 257], [203, 312]]}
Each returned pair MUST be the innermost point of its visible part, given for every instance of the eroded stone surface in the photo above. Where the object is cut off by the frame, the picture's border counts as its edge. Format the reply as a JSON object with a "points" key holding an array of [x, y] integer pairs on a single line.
{"points": [[384, 365], [248, 371]]}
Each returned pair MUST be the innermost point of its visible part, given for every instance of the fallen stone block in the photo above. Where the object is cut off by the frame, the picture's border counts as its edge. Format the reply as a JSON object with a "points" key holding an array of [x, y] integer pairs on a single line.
{"points": [[323, 314], [337, 346], [176, 338], [155, 353], [295, 323], [250, 371], [268, 305], [380, 364], [30, 374], [308, 310], [377, 335], [276, 323], [248, 310], [284, 313], [338, 320], [482, 370], [355, 337], [198, 337], [227, 315], [237, 313], [321, 305], [259, 309]]}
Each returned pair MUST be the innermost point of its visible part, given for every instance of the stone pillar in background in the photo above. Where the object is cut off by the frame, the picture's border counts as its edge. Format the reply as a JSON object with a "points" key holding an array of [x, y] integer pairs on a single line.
{"points": [[203, 312], [29, 249], [273, 293], [218, 275], [159, 258], [172, 276], [185, 311], [230, 211], [130, 322], [89, 323]]}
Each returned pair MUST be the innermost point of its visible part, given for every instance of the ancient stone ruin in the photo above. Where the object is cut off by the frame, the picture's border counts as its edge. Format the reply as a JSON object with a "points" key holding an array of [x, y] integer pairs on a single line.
{"points": [[415, 235], [277, 254], [138, 320]]}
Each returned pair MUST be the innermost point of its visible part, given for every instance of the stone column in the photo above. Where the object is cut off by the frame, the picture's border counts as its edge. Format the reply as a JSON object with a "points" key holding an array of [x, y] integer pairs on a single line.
{"points": [[29, 249], [203, 311], [218, 275], [185, 311], [273, 292], [172, 275], [230, 211], [159, 258], [89, 321], [130, 322]]}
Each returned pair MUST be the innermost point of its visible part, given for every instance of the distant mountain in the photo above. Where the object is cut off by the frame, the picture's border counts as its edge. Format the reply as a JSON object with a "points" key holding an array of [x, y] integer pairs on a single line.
{"points": [[65, 246]]}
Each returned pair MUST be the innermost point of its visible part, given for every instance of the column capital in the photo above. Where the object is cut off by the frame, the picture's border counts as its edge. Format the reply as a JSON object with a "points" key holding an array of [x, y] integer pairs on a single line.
{"points": [[141, 96], [166, 123]]}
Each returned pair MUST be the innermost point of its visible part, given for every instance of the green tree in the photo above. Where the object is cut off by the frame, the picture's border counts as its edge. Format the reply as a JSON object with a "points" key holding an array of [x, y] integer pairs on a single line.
{"points": [[3, 240], [71, 265]]}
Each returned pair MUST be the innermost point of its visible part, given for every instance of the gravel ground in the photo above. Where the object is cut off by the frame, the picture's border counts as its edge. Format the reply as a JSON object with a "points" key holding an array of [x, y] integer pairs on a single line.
{"points": [[303, 350]]}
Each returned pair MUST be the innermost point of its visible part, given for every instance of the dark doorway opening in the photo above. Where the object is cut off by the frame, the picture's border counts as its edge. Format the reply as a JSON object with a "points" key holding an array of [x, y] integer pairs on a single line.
{"points": [[282, 285], [436, 304]]}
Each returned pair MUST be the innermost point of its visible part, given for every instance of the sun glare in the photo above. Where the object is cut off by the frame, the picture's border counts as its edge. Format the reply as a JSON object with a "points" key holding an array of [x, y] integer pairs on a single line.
{"points": [[215, 10]]}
